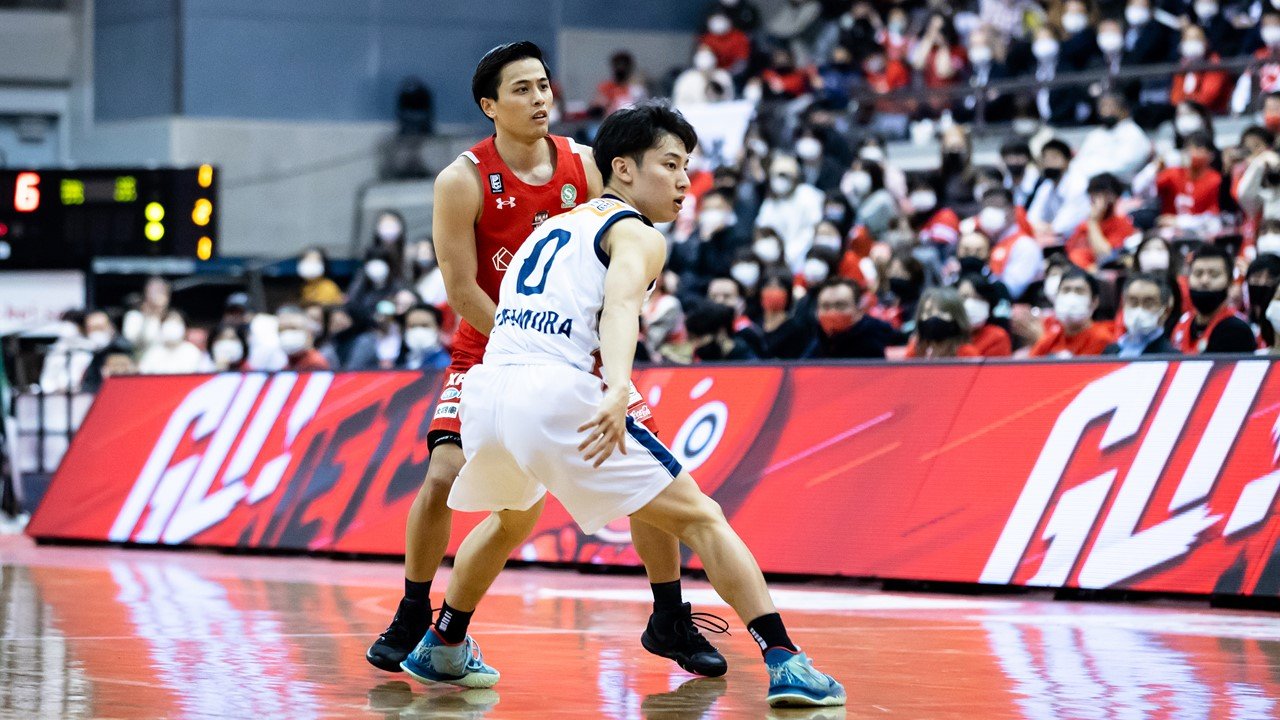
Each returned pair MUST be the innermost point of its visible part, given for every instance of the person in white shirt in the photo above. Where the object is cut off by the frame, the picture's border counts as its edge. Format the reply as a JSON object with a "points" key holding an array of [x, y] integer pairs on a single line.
{"points": [[141, 326], [791, 208], [694, 86], [1119, 147], [67, 360], [173, 354]]}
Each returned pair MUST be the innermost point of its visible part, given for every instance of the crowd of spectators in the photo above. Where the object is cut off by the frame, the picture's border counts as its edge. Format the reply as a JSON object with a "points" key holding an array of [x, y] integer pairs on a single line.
{"points": [[813, 243]]}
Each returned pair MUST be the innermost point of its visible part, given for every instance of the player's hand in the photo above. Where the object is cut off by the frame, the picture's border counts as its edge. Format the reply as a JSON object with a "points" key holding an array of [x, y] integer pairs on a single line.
{"points": [[607, 430]]}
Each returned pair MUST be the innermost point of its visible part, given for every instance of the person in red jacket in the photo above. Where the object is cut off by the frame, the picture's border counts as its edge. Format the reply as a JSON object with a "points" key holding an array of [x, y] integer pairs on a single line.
{"points": [[731, 46], [1210, 88], [1105, 230], [1077, 334], [1192, 189], [1212, 325], [982, 301]]}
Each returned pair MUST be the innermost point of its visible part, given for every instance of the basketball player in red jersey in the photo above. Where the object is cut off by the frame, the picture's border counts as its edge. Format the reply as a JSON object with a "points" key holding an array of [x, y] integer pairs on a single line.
{"points": [[486, 204]]}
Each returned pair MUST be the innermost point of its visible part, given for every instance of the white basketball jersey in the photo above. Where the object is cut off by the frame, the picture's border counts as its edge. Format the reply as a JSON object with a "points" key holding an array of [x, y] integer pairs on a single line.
{"points": [[551, 297]]}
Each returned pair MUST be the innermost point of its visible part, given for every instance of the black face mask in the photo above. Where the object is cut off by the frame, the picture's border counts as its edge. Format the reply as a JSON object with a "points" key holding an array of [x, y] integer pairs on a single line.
{"points": [[710, 352], [1109, 121], [952, 161], [783, 69], [1259, 297], [972, 265], [1017, 170], [1207, 302], [904, 289], [1052, 174], [935, 329], [620, 74]]}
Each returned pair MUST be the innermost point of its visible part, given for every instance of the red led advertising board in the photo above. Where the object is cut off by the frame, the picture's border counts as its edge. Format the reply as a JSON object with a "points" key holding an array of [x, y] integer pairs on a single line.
{"points": [[1151, 475]]}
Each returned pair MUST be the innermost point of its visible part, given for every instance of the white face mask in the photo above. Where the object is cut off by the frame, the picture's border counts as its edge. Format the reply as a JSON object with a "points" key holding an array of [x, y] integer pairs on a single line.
{"points": [[1071, 308], [704, 60], [173, 332], [1192, 49], [767, 251], [389, 229], [100, 338], [1137, 14], [1271, 35], [1074, 22], [858, 183], [814, 271], [718, 25], [1273, 313], [993, 221], [1269, 244], [310, 268], [377, 271], [293, 342], [809, 148], [227, 352], [978, 311], [422, 338], [980, 55], [923, 200], [1045, 48], [781, 185], [872, 153], [712, 219], [1154, 260], [827, 240], [1139, 321], [1110, 41], [1187, 124], [746, 273], [1051, 287], [1206, 10]]}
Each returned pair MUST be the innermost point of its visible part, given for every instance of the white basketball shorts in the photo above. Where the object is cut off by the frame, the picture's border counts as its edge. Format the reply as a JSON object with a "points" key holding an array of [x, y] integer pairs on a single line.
{"points": [[520, 436]]}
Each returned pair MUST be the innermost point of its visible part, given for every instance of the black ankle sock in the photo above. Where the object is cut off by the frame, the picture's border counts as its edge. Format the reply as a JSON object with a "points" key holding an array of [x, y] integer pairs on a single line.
{"points": [[769, 632], [452, 625], [419, 592], [666, 597]]}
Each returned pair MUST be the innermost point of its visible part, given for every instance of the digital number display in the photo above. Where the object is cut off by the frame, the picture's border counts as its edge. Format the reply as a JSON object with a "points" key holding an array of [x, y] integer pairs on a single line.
{"points": [[56, 218]]}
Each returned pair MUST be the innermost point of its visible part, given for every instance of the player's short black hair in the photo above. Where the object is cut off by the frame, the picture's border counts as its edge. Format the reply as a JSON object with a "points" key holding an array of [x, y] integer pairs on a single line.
{"points": [[484, 83], [631, 131]]}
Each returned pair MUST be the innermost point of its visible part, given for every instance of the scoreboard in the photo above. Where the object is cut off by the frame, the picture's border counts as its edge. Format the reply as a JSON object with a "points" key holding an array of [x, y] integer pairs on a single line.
{"points": [[62, 219]]}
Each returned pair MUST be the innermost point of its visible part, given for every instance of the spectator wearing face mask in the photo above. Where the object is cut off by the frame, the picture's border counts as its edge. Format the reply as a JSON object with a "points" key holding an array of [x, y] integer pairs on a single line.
{"points": [[1187, 193], [1110, 40], [1155, 256], [938, 226], [229, 348], [986, 66], [1059, 201], [1103, 234], [1076, 334], [141, 326], [297, 339], [663, 321], [317, 288], [67, 360], [981, 300], [1060, 105], [792, 208], [730, 45], [1015, 256], [423, 348], [835, 80], [904, 283], [1220, 33], [1020, 173], [730, 293], [955, 178], [348, 341], [172, 353], [785, 336], [1148, 302], [845, 331], [942, 328], [427, 280], [1210, 88], [374, 282], [884, 75], [1259, 188], [1191, 117], [1146, 40], [864, 187], [389, 241], [712, 248], [1118, 147], [743, 14], [782, 80], [115, 360], [939, 56], [1261, 278], [1079, 44], [710, 327], [624, 87], [1212, 325], [816, 167], [1262, 77], [694, 85]]}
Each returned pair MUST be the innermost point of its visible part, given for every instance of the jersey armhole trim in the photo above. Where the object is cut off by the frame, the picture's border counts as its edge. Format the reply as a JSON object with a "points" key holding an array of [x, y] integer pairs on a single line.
{"points": [[472, 157], [601, 255]]}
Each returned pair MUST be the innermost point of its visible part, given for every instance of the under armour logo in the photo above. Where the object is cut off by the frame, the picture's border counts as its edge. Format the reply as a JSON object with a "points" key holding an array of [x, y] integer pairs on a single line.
{"points": [[508, 202]]}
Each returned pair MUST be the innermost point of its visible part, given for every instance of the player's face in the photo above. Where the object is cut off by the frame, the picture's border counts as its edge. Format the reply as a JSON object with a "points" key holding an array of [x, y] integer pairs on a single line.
{"points": [[524, 99], [662, 180]]}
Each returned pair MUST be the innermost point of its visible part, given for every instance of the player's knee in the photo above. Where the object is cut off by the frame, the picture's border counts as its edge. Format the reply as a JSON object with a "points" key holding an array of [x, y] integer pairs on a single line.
{"points": [[703, 515], [439, 480]]}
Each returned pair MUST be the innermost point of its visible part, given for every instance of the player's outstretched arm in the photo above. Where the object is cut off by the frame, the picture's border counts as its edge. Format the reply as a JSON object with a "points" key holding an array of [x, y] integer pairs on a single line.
{"points": [[453, 228], [636, 256]]}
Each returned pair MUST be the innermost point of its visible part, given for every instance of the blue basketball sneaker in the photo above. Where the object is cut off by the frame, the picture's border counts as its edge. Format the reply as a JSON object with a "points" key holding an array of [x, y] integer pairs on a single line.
{"points": [[435, 661], [794, 682]]}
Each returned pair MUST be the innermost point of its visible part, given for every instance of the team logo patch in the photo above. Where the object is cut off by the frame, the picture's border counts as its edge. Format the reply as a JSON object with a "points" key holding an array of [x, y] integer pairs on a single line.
{"points": [[501, 259], [540, 218], [450, 394], [495, 183], [450, 410], [568, 196], [507, 202]]}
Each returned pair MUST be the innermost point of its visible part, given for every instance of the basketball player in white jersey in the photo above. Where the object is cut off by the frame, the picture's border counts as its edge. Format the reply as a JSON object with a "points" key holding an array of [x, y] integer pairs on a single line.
{"points": [[536, 419]]}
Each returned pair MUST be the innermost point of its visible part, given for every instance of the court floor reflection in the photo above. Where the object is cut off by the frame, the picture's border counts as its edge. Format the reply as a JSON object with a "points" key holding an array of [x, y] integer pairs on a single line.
{"points": [[134, 634]]}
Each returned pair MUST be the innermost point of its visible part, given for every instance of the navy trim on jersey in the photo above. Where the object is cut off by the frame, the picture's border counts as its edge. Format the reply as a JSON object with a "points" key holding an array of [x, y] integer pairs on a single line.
{"points": [[654, 446], [601, 255]]}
